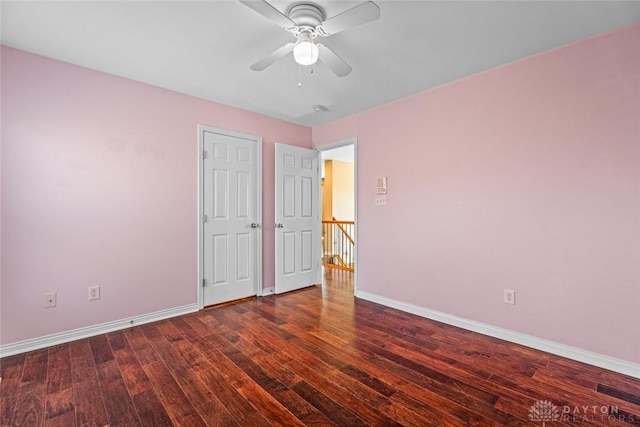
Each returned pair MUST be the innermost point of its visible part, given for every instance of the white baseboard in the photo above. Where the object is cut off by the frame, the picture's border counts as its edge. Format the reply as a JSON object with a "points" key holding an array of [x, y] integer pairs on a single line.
{"points": [[89, 331], [595, 359]]}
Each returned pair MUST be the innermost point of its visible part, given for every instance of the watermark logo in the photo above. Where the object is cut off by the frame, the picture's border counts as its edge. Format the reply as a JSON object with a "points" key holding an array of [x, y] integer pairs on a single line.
{"points": [[544, 411]]}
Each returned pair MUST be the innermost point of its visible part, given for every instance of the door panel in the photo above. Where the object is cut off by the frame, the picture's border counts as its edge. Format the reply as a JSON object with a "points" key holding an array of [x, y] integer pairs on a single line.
{"points": [[306, 248], [220, 256], [243, 264], [230, 206], [243, 189], [289, 252], [297, 218], [220, 194]]}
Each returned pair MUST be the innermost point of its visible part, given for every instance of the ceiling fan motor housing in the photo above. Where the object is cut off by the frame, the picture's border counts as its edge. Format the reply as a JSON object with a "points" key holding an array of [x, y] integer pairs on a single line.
{"points": [[306, 15]]}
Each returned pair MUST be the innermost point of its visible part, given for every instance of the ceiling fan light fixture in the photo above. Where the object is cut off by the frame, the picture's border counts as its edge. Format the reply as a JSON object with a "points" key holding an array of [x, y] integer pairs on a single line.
{"points": [[305, 52]]}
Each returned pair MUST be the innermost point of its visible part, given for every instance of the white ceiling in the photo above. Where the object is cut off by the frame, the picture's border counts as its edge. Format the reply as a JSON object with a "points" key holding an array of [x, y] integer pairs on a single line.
{"points": [[205, 48]]}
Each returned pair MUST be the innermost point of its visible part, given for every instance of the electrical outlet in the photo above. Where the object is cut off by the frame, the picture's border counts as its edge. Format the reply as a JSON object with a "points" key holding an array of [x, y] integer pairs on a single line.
{"points": [[381, 200], [509, 296], [50, 300], [94, 293]]}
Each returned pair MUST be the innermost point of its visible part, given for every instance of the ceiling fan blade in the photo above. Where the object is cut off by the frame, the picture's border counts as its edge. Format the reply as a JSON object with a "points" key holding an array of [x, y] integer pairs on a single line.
{"points": [[358, 15], [280, 52], [333, 61], [268, 11]]}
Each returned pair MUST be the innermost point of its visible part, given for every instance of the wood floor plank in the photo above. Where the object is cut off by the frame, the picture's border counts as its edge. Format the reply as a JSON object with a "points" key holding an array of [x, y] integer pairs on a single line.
{"points": [[140, 345], [29, 409], [35, 367], [59, 369], [362, 402], [215, 414], [131, 370], [257, 387], [100, 349], [633, 398], [11, 373], [195, 321], [60, 408], [338, 413], [276, 384], [177, 405], [239, 408], [10, 365], [31, 394], [150, 409], [117, 400], [88, 401], [184, 360]]}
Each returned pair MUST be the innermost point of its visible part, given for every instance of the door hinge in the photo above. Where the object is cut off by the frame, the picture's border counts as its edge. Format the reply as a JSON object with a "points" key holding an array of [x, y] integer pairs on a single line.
{"points": [[204, 154], [204, 283], [204, 218]]}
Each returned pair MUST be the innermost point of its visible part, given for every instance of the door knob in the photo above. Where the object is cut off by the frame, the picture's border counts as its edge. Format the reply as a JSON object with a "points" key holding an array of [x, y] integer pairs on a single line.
{"points": [[279, 226], [255, 225]]}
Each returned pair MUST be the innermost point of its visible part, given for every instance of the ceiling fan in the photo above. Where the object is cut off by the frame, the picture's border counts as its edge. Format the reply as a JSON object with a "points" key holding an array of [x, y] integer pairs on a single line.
{"points": [[306, 21]]}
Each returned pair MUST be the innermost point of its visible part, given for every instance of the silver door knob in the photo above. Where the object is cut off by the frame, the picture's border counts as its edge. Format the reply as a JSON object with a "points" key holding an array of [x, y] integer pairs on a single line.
{"points": [[254, 225], [279, 226]]}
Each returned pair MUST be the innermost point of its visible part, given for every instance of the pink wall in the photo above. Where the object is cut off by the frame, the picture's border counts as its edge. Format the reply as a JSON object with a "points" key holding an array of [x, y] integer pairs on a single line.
{"points": [[99, 184], [524, 177]]}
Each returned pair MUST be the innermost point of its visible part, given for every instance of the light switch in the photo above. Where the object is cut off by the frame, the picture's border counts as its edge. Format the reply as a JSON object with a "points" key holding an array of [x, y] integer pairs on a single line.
{"points": [[381, 185]]}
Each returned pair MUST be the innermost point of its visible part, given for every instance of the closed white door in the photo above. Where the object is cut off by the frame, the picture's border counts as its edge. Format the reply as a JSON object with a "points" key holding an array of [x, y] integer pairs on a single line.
{"points": [[231, 239], [297, 218]]}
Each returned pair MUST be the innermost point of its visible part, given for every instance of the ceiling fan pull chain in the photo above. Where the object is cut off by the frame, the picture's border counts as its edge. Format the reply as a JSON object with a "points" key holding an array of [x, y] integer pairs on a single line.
{"points": [[299, 79]]}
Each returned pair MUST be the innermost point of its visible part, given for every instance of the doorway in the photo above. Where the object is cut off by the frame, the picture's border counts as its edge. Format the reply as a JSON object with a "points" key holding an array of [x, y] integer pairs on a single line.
{"points": [[339, 207], [299, 213]]}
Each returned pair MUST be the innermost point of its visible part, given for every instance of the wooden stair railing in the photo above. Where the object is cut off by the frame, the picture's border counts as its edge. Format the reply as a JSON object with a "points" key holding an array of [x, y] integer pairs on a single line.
{"points": [[338, 244]]}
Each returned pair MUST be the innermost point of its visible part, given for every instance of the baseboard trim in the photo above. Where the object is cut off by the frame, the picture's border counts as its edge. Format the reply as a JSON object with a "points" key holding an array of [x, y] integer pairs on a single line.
{"points": [[595, 359], [89, 331]]}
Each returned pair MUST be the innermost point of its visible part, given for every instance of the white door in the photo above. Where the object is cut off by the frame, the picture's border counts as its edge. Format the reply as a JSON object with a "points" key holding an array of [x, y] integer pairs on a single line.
{"points": [[297, 218], [231, 237]]}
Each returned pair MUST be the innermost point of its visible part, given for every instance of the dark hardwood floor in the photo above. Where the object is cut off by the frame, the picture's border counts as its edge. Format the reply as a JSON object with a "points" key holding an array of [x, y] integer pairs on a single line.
{"points": [[312, 357]]}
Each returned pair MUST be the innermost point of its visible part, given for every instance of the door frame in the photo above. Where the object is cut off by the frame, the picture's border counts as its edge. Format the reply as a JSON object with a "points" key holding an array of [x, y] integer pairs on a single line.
{"points": [[200, 215], [330, 146]]}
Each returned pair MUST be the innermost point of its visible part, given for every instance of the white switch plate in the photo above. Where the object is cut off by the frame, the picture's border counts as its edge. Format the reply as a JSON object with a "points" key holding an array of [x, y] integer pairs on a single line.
{"points": [[381, 200]]}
